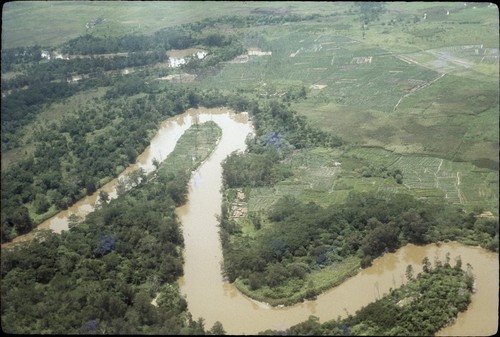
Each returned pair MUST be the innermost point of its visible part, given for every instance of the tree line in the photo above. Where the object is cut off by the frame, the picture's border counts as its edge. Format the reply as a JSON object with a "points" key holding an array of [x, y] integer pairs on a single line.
{"points": [[293, 239], [426, 304], [63, 70], [85, 149], [101, 276], [93, 143], [302, 237]]}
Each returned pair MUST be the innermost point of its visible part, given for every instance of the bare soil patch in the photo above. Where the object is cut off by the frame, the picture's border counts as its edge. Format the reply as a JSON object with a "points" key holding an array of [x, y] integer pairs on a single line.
{"points": [[178, 78], [258, 52], [180, 53], [318, 86]]}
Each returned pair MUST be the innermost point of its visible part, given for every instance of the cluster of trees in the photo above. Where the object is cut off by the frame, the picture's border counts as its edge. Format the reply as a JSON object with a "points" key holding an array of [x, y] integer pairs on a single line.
{"points": [[165, 39], [63, 70], [255, 169], [381, 171], [21, 107], [101, 276], [422, 307], [272, 117], [11, 57], [369, 11], [299, 238], [87, 148]]}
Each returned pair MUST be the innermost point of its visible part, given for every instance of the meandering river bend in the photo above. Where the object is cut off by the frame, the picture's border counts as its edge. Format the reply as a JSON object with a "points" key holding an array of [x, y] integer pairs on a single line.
{"points": [[211, 297]]}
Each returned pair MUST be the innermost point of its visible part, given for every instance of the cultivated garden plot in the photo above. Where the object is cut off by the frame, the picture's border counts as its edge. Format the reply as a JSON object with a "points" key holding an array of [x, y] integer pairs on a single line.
{"points": [[430, 177], [320, 176], [352, 73], [315, 169], [315, 172], [262, 198], [374, 155], [460, 183], [448, 59]]}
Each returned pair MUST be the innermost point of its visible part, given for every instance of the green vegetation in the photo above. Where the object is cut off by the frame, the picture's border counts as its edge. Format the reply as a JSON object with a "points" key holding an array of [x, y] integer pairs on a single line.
{"points": [[107, 19], [79, 153], [275, 257], [427, 303], [375, 126], [102, 275]]}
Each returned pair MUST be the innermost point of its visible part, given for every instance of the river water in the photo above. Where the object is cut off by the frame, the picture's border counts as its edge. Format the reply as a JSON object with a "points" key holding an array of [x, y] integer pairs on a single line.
{"points": [[210, 297]]}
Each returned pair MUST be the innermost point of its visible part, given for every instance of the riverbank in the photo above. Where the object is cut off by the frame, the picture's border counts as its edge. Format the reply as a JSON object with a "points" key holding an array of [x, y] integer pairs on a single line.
{"points": [[297, 291], [213, 299]]}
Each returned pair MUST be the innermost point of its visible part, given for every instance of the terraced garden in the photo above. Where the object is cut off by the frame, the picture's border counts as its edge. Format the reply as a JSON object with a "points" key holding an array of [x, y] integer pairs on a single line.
{"points": [[327, 176]]}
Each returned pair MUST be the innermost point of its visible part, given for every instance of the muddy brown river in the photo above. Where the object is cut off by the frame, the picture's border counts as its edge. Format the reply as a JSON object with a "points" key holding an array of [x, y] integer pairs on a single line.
{"points": [[210, 297]]}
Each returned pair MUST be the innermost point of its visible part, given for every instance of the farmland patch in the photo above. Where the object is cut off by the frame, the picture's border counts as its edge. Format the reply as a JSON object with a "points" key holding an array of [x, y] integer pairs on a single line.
{"points": [[258, 52], [178, 78], [460, 183], [453, 58], [318, 86]]}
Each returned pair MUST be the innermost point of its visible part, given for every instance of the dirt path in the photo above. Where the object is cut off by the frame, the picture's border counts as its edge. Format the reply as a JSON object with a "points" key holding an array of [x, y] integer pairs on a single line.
{"points": [[414, 90]]}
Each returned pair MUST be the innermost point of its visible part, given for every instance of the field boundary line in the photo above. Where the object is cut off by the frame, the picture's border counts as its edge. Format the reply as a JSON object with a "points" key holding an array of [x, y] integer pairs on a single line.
{"points": [[459, 192], [436, 173], [414, 90]]}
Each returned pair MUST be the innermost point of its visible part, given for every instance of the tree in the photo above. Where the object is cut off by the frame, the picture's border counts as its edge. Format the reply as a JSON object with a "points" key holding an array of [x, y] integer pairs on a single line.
{"points": [[217, 329], [370, 11], [142, 305], [131, 154], [121, 187], [103, 197], [414, 226], [384, 237], [136, 177], [276, 274], [409, 273], [74, 220], [41, 204], [156, 163], [426, 265], [20, 220], [469, 277]]}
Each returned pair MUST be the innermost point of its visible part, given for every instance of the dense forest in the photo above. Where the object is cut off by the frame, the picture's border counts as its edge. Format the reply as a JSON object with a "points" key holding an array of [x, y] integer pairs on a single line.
{"points": [[412, 310], [300, 238], [101, 276], [116, 271], [294, 239], [63, 168]]}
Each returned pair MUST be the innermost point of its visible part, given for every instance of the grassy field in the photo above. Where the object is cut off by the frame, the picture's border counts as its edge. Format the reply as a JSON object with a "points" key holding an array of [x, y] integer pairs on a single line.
{"points": [[52, 113], [422, 82], [327, 176], [414, 86], [58, 21], [195, 145], [296, 290]]}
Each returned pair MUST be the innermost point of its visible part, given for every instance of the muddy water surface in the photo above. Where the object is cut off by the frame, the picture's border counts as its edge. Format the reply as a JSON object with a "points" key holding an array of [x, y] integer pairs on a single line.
{"points": [[160, 147], [210, 297]]}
